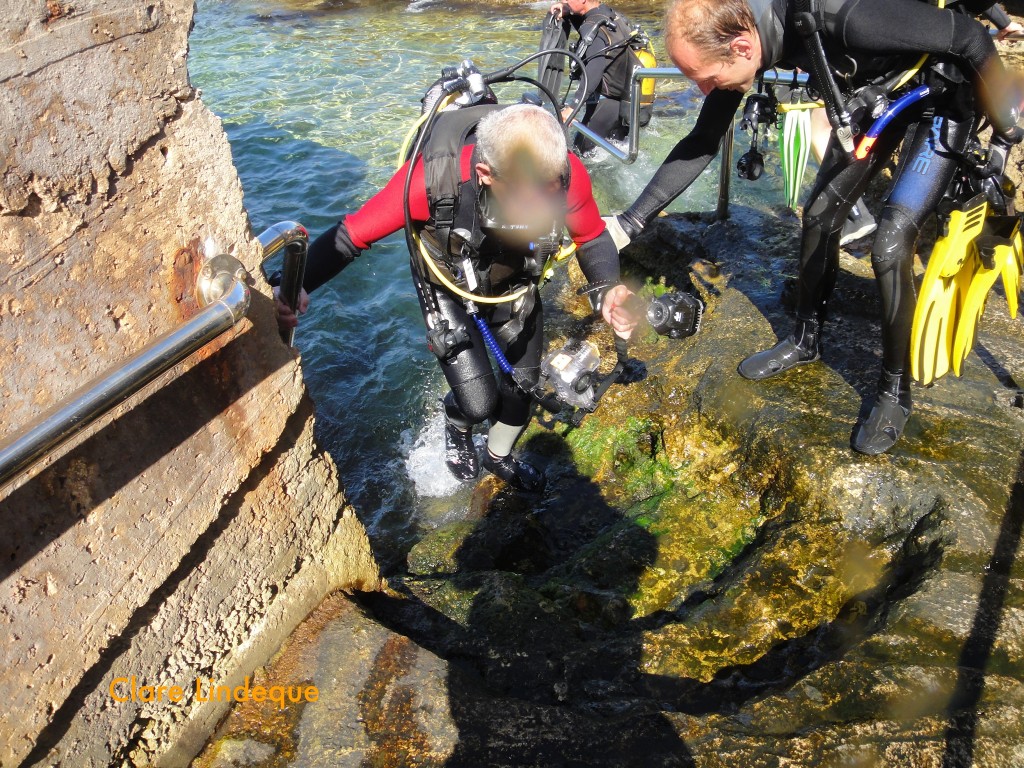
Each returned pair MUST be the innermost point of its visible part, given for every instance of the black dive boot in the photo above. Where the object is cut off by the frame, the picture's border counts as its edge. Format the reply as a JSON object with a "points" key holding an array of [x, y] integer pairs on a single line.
{"points": [[519, 475], [459, 452], [884, 426], [799, 349]]}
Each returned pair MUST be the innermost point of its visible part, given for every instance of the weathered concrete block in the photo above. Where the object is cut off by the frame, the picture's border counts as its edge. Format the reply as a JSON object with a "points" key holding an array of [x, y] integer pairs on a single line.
{"points": [[188, 532]]}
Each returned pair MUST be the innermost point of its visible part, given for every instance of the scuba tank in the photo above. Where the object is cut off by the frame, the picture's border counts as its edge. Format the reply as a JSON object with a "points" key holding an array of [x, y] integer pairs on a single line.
{"points": [[642, 57], [630, 49]]}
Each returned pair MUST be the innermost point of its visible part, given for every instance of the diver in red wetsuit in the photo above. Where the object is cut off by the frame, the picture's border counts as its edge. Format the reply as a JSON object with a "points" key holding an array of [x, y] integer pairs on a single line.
{"points": [[517, 186]]}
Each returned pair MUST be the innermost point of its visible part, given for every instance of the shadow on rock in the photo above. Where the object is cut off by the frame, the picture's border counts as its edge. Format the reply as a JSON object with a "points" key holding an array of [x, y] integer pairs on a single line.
{"points": [[535, 625], [977, 650]]}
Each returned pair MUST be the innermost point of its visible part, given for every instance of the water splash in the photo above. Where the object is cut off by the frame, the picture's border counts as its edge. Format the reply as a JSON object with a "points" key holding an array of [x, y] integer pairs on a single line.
{"points": [[424, 461]]}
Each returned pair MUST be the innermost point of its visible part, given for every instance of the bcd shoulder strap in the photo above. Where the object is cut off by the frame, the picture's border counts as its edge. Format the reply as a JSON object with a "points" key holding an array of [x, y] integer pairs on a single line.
{"points": [[808, 20], [616, 30], [442, 165]]}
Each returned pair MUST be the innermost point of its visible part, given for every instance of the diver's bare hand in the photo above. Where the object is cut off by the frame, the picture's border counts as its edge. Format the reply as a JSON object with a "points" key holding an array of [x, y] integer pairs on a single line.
{"points": [[286, 318], [1014, 28], [615, 313], [557, 10]]}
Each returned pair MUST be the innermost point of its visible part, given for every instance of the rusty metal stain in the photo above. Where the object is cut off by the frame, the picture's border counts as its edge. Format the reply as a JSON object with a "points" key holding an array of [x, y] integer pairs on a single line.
{"points": [[55, 10], [184, 272]]}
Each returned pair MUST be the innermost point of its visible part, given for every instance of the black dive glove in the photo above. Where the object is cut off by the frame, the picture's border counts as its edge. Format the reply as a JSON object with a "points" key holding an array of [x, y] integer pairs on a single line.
{"points": [[328, 255]]}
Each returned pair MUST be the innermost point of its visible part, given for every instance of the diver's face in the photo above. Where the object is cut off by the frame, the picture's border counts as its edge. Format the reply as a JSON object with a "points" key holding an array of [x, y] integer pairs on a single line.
{"points": [[523, 199], [736, 74]]}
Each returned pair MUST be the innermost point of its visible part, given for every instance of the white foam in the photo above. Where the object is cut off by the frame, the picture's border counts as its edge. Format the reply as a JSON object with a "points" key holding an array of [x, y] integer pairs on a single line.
{"points": [[416, 6], [424, 461]]}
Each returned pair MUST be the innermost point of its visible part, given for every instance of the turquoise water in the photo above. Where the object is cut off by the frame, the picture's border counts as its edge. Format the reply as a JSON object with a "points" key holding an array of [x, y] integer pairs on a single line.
{"points": [[315, 99]]}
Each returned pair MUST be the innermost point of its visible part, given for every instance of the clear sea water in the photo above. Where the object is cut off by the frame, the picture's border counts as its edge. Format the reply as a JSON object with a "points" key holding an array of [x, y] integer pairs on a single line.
{"points": [[315, 99]]}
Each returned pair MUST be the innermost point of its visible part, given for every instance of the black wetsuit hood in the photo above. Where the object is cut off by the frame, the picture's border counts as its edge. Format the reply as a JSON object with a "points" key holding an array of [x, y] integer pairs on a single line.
{"points": [[770, 17]]}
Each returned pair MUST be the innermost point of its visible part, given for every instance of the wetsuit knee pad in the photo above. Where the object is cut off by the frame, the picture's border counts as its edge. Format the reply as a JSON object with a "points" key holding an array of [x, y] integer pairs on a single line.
{"points": [[824, 214], [472, 402], [894, 240]]}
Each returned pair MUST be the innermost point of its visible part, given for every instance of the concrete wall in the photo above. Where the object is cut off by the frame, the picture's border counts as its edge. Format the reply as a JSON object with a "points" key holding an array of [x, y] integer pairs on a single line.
{"points": [[185, 535]]}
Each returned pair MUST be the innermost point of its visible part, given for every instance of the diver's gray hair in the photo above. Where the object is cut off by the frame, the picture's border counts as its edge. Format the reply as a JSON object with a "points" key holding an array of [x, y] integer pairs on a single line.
{"points": [[509, 136]]}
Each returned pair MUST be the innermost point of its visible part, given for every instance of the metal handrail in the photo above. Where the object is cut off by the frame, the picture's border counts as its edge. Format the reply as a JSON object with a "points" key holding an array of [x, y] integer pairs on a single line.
{"points": [[671, 73], [223, 293], [292, 238]]}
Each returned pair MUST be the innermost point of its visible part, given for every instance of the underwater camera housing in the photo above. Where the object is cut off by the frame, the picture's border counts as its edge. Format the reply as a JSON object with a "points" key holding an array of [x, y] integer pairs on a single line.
{"points": [[571, 371], [750, 166], [759, 112], [677, 315]]}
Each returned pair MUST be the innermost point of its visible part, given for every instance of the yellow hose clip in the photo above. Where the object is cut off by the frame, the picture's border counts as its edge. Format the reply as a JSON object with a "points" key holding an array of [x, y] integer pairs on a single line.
{"points": [[800, 106], [443, 279], [564, 252]]}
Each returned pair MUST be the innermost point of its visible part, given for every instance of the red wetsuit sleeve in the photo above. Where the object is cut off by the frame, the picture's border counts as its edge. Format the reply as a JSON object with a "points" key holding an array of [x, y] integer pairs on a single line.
{"points": [[383, 214], [583, 218]]}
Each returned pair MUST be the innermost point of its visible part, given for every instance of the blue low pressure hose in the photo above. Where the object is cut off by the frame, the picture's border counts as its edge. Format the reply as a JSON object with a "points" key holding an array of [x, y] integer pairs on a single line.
{"points": [[492, 344], [887, 117]]}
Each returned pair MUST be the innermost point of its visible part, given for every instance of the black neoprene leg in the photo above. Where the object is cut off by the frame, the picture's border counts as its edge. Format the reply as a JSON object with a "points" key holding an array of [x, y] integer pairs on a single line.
{"points": [[524, 354], [925, 170], [603, 119], [837, 187], [477, 395], [468, 373]]}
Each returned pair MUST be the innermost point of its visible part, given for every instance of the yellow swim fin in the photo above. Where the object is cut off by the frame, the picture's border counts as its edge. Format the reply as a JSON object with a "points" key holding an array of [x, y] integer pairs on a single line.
{"points": [[940, 297], [974, 283], [995, 254], [1012, 268]]}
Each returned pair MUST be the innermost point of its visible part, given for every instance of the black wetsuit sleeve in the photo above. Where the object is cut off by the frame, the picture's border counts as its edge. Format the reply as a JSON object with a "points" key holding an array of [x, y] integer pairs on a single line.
{"points": [[910, 26], [324, 260], [596, 63], [998, 16], [599, 259], [689, 157]]}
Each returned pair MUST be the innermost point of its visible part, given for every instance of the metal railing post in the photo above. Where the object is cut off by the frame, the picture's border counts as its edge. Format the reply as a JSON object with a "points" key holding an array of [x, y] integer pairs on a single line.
{"points": [[223, 293], [293, 239], [671, 73], [725, 172]]}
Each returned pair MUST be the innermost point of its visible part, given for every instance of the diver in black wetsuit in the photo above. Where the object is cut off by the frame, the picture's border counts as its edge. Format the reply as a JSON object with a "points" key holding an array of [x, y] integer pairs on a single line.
{"points": [[723, 44], [602, 45]]}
